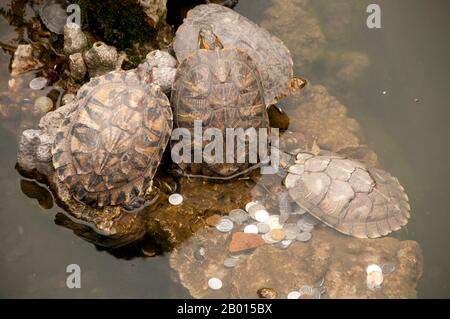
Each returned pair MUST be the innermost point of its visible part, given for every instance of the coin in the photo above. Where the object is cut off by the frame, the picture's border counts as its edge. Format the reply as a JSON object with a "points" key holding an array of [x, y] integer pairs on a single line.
{"points": [[293, 295], [263, 228], [251, 229], [250, 204], [225, 225], [277, 235], [268, 239], [175, 199], [215, 283], [261, 215], [291, 231], [388, 268], [274, 222], [285, 243], [230, 262], [238, 216], [304, 236], [304, 226], [258, 212], [310, 220], [38, 83], [200, 254], [373, 268]]}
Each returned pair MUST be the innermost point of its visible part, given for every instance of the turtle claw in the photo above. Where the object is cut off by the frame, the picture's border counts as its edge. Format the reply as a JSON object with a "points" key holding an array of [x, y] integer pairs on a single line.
{"points": [[137, 204]]}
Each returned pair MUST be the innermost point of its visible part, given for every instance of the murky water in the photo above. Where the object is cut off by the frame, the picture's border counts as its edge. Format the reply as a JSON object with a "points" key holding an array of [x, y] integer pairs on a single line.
{"points": [[406, 126]]}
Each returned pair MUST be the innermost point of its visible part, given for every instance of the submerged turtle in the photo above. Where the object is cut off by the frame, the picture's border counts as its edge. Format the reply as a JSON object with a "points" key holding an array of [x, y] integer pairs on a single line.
{"points": [[107, 151], [222, 88], [54, 16], [355, 199], [271, 56]]}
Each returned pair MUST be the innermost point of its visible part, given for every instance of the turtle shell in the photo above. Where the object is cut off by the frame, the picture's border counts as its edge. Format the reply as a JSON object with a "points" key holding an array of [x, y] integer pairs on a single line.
{"points": [[108, 150], [347, 195], [271, 56], [222, 89]]}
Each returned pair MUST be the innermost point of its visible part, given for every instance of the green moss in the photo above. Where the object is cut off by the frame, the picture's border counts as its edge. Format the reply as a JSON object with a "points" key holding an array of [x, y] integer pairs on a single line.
{"points": [[117, 22]]}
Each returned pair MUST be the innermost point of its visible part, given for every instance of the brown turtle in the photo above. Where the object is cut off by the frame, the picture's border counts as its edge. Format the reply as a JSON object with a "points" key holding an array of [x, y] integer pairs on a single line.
{"points": [[108, 149], [355, 199], [222, 88]]}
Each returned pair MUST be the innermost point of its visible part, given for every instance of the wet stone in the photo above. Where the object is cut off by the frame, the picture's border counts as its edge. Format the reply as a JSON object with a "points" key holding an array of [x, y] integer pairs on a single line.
{"points": [[212, 220], [242, 241]]}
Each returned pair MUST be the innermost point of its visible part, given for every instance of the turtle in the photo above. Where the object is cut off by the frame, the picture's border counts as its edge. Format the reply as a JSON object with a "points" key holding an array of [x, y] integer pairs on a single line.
{"points": [[222, 88], [107, 151], [54, 16], [354, 198], [271, 56]]}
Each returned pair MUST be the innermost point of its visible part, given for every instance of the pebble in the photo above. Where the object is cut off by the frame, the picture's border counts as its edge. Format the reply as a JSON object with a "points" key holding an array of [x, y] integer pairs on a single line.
{"points": [[38, 83], [225, 225], [251, 229], [212, 220], [238, 216], [293, 295], [175, 199], [277, 235], [67, 98], [267, 293], [263, 228], [215, 283], [304, 236], [43, 104]]}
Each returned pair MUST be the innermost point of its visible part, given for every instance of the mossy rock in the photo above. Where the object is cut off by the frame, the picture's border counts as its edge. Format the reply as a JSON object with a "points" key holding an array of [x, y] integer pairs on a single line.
{"points": [[118, 22]]}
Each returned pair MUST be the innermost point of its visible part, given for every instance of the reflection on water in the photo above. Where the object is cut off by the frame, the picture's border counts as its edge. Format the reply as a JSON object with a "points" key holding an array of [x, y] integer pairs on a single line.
{"points": [[347, 64]]}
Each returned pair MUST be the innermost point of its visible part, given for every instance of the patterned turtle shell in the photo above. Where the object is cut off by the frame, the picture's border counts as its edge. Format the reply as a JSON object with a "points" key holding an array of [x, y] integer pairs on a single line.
{"points": [[222, 88], [108, 150], [347, 195], [270, 55]]}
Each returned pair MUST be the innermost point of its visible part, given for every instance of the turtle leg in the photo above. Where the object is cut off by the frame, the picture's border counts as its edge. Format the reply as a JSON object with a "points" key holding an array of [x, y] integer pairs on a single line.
{"points": [[135, 205]]}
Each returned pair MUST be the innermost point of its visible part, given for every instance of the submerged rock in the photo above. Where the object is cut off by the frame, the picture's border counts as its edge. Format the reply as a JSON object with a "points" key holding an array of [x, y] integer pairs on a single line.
{"points": [[74, 39], [155, 10], [24, 60], [101, 59], [339, 260]]}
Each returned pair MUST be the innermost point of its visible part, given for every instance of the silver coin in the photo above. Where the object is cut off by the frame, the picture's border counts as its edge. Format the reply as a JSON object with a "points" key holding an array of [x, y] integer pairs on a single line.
{"points": [[388, 268], [249, 205], [293, 295], [285, 243], [230, 262], [215, 283], [238, 216], [175, 199], [251, 229], [306, 290], [263, 228], [258, 212], [38, 83], [268, 239], [274, 222], [304, 227], [304, 236], [200, 254], [291, 231], [225, 225]]}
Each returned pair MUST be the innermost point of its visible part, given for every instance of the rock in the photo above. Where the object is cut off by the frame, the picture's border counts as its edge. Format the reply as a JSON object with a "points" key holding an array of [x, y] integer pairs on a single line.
{"points": [[160, 66], [308, 41], [42, 105], [155, 10], [340, 260], [77, 67], [67, 98], [74, 39], [212, 220], [320, 116], [101, 59], [242, 241], [23, 60]]}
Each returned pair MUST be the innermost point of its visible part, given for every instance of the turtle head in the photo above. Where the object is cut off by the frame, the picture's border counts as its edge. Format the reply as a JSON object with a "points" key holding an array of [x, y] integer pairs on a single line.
{"points": [[208, 40]]}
